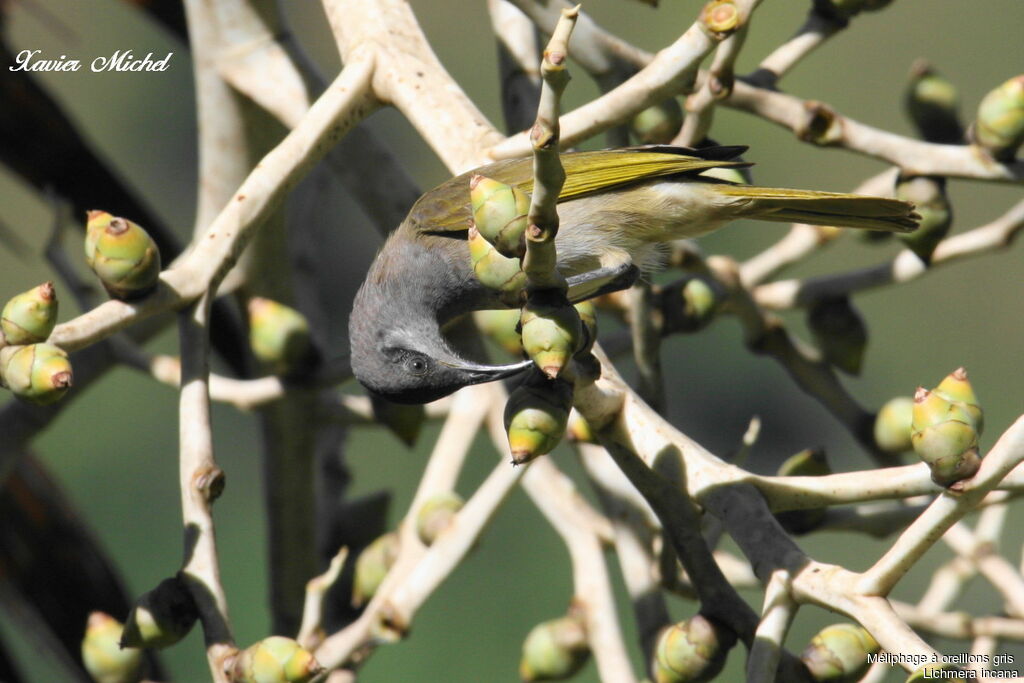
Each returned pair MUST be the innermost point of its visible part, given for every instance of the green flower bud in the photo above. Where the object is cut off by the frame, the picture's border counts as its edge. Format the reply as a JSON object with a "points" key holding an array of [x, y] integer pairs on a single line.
{"points": [[535, 418], [688, 306], [951, 469], [30, 317], [956, 388], [102, 654], [699, 301], [38, 373], [122, 255], [892, 425], [404, 421], [500, 214], [554, 650], [1000, 124], [809, 462], [579, 429], [372, 566], [944, 436], [161, 617], [933, 103], [501, 326], [840, 332], [551, 335], [588, 319], [436, 514], [928, 194], [274, 660], [691, 651], [279, 336], [658, 124], [494, 270], [839, 653]]}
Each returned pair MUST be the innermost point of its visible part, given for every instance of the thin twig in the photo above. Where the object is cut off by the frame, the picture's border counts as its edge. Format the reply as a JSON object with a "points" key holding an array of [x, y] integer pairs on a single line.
{"points": [[201, 482]]}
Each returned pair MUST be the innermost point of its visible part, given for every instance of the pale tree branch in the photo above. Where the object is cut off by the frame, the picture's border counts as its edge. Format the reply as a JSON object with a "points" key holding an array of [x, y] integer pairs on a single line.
{"points": [[201, 483]]}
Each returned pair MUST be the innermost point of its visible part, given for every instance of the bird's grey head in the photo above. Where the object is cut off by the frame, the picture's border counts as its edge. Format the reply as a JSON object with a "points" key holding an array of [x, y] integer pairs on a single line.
{"points": [[397, 349]]}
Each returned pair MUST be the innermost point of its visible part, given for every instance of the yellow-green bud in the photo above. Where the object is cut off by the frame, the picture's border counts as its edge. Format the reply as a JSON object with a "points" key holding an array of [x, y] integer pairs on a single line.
{"points": [[944, 436], [932, 103], [502, 326], [691, 651], [579, 429], [588, 318], [840, 332], [436, 514], [122, 255], [535, 418], [839, 654], [279, 336], [102, 655], [688, 306], [29, 317], [928, 194], [892, 425], [372, 566], [39, 373], [404, 421], [699, 301], [161, 617], [658, 124], [809, 462], [274, 660], [1000, 124], [956, 388], [500, 214], [551, 335], [554, 650], [494, 270]]}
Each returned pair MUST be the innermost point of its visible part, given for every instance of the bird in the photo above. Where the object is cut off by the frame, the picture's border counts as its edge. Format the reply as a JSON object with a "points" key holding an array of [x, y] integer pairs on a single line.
{"points": [[615, 208]]}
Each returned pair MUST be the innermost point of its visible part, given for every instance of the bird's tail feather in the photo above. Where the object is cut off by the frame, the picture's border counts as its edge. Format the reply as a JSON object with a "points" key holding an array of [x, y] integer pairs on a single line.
{"points": [[823, 208]]}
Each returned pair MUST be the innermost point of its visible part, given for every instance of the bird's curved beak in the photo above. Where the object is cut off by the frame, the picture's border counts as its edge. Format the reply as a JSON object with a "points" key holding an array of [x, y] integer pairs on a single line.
{"points": [[476, 373]]}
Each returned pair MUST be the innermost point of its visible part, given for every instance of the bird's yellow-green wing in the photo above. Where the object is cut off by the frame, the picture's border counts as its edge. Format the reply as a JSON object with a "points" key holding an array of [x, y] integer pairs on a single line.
{"points": [[446, 208], [592, 172]]}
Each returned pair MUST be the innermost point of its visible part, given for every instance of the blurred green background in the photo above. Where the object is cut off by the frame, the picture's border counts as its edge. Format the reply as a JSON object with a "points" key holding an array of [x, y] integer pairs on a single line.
{"points": [[115, 449]]}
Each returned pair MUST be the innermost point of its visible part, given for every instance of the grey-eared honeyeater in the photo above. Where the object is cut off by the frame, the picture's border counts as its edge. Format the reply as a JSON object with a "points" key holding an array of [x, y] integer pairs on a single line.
{"points": [[615, 208]]}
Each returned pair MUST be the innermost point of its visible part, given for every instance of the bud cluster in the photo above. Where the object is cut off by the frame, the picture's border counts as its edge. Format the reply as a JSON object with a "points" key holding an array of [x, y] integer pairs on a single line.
{"points": [[693, 650], [273, 660], [102, 654], [122, 255], [999, 127], [550, 330], [279, 336], [554, 650], [945, 427], [161, 617], [32, 369], [839, 654], [372, 565]]}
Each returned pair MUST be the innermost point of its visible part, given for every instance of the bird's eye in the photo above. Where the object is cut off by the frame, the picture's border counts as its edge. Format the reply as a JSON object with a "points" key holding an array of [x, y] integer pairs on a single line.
{"points": [[416, 365]]}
